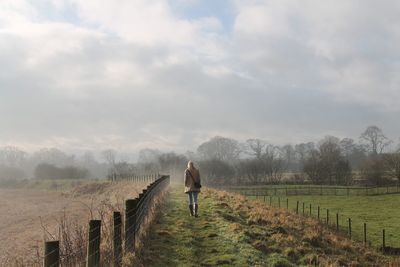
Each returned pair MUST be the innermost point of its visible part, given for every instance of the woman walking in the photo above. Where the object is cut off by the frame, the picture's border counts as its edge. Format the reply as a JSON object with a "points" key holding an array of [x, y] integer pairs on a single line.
{"points": [[192, 187]]}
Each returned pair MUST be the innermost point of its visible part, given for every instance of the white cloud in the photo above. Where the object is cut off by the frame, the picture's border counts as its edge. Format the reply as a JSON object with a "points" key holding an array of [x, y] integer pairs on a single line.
{"points": [[131, 74], [345, 48]]}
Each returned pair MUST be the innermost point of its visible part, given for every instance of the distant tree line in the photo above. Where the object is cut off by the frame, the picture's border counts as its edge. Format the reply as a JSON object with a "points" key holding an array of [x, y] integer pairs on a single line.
{"points": [[48, 171], [373, 159], [48, 163]]}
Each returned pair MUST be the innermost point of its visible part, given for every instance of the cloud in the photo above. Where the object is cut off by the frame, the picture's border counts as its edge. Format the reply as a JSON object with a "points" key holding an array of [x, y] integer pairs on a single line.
{"points": [[135, 74], [345, 48]]}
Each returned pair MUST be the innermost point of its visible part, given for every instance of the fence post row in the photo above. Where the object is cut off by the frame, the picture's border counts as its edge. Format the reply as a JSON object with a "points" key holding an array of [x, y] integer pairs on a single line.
{"points": [[51, 257], [375, 190]]}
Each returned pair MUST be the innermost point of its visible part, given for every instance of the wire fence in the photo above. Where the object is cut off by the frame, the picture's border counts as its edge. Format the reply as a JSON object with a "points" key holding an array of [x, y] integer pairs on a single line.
{"points": [[316, 190], [110, 238], [356, 230]]}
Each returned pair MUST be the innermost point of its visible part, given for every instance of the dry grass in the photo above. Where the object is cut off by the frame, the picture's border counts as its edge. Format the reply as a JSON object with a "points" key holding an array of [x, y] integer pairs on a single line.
{"points": [[302, 240], [30, 217]]}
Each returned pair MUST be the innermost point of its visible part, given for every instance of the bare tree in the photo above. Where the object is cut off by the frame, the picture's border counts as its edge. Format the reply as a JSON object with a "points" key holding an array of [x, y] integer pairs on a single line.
{"points": [[288, 155], [392, 163], [375, 139], [303, 150], [53, 156], [220, 148], [327, 164], [12, 156], [255, 147], [110, 156]]}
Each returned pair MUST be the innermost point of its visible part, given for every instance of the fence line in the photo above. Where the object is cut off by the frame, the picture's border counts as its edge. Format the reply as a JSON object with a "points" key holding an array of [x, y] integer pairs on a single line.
{"points": [[345, 229], [137, 213], [318, 190]]}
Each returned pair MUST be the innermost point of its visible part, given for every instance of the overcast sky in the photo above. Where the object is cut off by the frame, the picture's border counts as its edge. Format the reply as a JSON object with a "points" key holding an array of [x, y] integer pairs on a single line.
{"points": [[130, 74]]}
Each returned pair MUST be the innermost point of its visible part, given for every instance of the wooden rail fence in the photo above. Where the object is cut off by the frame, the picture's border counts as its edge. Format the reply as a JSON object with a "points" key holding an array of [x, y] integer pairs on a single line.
{"points": [[126, 236]]}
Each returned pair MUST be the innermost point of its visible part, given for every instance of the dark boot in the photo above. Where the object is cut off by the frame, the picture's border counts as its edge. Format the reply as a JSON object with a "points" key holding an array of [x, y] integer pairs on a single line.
{"points": [[191, 210], [196, 208]]}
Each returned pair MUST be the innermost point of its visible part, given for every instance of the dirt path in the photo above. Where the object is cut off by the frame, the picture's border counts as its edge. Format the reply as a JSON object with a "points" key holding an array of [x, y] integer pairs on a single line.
{"points": [[177, 239]]}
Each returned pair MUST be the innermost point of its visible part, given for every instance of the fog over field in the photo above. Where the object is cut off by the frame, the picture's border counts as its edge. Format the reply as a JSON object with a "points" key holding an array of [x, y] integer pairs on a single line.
{"points": [[127, 75], [175, 132]]}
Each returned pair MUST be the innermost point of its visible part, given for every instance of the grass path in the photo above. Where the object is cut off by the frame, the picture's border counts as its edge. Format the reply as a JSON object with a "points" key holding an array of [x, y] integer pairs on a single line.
{"points": [[234, 231], [176, 239]]}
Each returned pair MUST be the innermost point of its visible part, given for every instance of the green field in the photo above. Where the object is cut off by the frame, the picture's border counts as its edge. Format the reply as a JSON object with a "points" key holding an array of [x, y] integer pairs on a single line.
{"points": [[378, 212]]}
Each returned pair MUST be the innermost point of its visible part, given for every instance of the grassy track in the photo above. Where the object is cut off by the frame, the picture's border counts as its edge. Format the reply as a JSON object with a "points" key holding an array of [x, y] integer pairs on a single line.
{"points": [[235, 231], [180, 240]]}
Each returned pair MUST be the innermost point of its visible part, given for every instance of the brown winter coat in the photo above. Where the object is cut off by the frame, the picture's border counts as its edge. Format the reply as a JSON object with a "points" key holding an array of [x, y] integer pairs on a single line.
{"points": [[189, 183]]}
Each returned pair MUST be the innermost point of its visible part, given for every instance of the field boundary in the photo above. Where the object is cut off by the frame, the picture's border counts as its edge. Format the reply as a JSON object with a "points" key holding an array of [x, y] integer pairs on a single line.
{"points": [[315, 190], [128, 229], [332, 222]]}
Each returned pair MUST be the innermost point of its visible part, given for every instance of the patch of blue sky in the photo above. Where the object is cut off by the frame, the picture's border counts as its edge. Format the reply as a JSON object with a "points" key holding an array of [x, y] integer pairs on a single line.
{"points": [[67, 13], [223, 10], [47, 11]]}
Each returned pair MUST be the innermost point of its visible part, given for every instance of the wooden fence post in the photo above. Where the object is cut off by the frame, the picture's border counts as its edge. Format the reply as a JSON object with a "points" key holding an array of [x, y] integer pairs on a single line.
{"points": [[303, 208], [51, 254], [117, 238], [337, 221], [130, 213], [350, 228], [287, 204], [270, 200], [318, 212], [93, 248], [365, 234], [279, 202], [383, 240], [297, 207], [327, 216], [310, 210]]}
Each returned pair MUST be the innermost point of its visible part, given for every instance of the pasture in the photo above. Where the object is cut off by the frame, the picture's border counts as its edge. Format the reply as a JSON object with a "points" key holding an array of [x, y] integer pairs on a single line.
{"points": [[378, 210]]}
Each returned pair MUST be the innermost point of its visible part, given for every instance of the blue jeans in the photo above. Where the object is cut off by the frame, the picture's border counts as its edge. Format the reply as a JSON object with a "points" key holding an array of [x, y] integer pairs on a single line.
{"points": [[192, 197]]}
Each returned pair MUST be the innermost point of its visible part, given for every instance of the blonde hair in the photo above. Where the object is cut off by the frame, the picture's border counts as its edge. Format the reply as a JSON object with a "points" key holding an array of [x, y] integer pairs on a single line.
{"points": [[190, 165]]}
